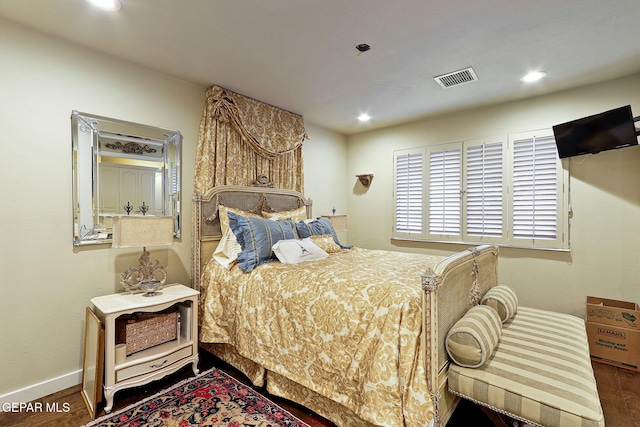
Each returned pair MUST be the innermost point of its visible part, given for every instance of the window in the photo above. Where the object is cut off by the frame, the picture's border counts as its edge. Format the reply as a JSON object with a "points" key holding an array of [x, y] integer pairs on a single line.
{"points": [[509, 190], [444, 182], [539, 204], [409, 194], [485, 189]]}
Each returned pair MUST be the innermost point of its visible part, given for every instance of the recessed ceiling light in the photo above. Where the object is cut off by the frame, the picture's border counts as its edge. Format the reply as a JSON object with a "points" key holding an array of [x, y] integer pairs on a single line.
{"points": [[533, 76], [364, 117], [107, 4]]}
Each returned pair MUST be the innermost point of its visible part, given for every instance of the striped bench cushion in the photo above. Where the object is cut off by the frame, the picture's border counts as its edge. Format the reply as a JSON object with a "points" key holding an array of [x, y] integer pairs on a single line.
{"points": [[540, 372]]}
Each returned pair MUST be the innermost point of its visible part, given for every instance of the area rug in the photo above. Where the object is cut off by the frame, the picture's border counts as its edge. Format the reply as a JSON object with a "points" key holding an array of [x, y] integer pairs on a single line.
{"points": [[212, 398]]}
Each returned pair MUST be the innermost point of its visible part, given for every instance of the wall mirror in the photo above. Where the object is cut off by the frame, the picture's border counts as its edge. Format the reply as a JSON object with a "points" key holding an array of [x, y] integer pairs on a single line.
{"points": [[121, 168]]}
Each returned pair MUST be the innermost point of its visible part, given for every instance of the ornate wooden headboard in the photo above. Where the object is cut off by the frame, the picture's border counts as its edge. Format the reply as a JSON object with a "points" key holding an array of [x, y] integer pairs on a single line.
{"points": [[206, 223]]}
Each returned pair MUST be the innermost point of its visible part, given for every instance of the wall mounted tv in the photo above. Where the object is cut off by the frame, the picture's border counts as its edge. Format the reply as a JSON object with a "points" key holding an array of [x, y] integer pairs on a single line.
{"points": [[589, 135]]}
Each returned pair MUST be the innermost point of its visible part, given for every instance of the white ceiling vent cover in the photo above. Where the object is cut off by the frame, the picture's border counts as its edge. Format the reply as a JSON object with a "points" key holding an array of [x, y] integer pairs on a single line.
{"points": [[457, 78]]}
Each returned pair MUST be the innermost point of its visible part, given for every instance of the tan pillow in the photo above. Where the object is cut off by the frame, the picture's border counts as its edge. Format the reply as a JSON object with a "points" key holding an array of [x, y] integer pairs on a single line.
{"points": [[326, 243], [503, 300], [473, 339], [224, 218], [298, 214]]}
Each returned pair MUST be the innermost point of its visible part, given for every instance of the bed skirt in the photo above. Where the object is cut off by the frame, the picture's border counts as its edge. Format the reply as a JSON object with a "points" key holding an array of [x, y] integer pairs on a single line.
{"points": [[280, 386]]}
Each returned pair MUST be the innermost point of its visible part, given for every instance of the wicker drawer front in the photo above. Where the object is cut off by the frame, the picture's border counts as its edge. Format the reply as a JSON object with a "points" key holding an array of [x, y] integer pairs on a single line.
{"points": [[147, 330], [152, 365]]}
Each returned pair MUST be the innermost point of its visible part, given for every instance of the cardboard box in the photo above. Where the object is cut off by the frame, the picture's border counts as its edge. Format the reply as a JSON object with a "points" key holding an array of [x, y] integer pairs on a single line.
{"points": [[614, 346], [621, 314], [613, 330]]}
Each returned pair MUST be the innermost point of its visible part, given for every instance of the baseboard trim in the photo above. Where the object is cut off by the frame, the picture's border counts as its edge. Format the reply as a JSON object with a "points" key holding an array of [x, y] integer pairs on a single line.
{"points": [[45, 388]]}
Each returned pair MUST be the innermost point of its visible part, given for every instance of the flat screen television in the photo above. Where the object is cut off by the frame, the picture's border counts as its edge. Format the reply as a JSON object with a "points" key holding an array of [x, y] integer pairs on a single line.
{"points": [[589, 135]]}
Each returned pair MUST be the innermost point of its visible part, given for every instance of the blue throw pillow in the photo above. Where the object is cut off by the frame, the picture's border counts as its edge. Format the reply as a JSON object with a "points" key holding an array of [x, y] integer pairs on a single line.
{"points": [[318, 227], [257, 236]]}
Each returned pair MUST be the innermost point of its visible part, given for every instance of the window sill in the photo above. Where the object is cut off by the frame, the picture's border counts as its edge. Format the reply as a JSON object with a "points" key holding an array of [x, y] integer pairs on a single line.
{"points": [[500, 245]]}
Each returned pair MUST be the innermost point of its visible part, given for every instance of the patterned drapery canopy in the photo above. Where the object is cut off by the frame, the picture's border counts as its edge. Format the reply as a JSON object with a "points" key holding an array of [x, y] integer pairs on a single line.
{"points": [[241, 139]]}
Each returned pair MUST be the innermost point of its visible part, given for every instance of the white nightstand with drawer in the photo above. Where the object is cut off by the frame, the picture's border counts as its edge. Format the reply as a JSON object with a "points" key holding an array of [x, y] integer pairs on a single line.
{"points": [[124, 371]]}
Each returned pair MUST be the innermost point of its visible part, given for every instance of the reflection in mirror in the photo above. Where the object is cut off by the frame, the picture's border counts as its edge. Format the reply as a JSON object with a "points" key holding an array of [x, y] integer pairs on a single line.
{"points": [[121, 168]]}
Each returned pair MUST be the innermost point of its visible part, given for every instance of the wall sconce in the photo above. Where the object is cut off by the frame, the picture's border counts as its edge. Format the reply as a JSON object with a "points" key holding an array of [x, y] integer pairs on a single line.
{"points": [[365, 179]]}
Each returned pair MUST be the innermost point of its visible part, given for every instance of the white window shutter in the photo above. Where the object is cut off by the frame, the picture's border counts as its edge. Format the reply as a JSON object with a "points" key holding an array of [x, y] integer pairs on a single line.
{"points": [[445, 186], [537, 191], [484, 191], [409, 193], [485, 176]]}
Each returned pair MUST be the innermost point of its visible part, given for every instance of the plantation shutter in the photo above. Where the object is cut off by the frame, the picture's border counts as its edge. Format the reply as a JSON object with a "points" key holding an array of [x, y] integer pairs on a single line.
{"points": [[508, 190], [409, 193], [537, 188], [445, 186], [175, 181], [484, 189]]}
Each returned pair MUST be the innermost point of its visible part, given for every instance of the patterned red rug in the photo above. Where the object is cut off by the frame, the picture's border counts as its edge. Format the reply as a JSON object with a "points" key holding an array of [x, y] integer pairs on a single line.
{"points": [[212, 398]]}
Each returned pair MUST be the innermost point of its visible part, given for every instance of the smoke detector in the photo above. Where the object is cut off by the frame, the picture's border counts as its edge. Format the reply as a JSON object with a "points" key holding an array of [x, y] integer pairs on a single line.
{"points": [[457, 78]]}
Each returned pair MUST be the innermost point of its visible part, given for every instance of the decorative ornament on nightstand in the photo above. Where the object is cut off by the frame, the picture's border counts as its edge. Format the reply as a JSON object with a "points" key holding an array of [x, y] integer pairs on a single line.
{"points": [[143, 231]]}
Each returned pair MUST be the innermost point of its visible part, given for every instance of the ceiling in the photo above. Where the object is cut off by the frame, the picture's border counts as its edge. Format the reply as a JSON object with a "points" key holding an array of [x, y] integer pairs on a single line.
{"points": [[300, 55]]}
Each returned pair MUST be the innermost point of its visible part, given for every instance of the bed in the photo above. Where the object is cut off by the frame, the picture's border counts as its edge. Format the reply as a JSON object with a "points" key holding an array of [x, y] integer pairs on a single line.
{"points": [[357, 337]]}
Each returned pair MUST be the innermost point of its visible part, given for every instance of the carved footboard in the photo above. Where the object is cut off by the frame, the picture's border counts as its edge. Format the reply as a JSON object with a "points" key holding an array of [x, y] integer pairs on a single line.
{"points": [[456, 284]]}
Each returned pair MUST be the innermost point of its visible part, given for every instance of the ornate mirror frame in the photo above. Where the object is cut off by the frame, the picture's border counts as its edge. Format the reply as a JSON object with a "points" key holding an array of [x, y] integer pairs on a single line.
{"points": [[122, 168]]}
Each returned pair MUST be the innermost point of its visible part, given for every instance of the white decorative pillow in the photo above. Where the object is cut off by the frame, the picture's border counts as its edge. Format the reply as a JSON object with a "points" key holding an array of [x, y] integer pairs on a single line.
{"points": [[473, 339], [228, 248], [293, 251], [503, 300]]}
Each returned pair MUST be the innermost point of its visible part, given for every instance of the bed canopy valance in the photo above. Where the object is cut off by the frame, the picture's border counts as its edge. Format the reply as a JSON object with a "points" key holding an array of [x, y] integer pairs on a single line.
{"points": [[241, 139]]}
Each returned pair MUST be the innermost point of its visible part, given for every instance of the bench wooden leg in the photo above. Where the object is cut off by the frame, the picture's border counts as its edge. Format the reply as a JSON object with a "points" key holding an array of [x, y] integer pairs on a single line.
{"points": [[499, 420]]}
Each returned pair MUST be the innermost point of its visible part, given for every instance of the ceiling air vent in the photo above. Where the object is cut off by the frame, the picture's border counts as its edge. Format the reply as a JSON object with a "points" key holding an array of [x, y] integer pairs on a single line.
{"points": [[457, 78]]}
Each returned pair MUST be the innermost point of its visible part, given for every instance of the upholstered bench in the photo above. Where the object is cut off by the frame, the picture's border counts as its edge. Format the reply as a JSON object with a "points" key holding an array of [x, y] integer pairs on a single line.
{"points": [[534, 367]]}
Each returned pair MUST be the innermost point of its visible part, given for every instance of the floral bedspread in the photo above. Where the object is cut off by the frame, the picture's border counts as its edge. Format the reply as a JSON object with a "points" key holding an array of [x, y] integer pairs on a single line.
{"points": [[347, 327]]}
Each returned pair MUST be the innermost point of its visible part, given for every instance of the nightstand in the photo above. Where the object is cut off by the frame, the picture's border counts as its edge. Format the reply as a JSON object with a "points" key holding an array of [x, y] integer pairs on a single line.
{"points": [[124, 371], [339, 223]]}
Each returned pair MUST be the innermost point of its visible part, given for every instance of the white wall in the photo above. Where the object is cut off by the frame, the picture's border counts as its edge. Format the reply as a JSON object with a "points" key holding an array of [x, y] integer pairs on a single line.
{"points": [[605, 195], [325, 170], [45, 282]]}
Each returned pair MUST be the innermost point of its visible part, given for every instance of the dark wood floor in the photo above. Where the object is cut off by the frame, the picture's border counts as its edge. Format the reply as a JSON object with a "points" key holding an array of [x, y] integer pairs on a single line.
{"points": [[619, 393]]}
